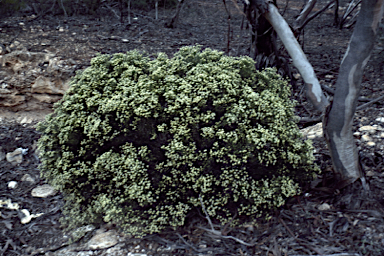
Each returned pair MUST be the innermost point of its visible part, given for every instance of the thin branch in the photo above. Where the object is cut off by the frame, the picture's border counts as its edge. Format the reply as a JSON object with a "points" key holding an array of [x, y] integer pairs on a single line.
{"points": [[113, 11], [310, 119], [316, 14], [349, 10], [206, 213], [229, 26], [62, 6], [238, 8], [337, 254], [216, 232], [129, 12], [369, 103]]}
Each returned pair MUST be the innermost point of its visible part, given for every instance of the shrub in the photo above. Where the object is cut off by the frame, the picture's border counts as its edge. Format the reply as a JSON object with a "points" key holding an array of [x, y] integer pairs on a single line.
{"points": [[137, 141]]}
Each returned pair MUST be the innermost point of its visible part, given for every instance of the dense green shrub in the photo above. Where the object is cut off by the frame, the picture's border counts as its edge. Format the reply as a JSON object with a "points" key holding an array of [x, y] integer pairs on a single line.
{"points": [[136, 141]]}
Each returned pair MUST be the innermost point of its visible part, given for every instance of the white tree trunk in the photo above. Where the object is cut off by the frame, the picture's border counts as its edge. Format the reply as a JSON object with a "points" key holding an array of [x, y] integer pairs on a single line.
{"points": [[339, 117], [300, 61]]}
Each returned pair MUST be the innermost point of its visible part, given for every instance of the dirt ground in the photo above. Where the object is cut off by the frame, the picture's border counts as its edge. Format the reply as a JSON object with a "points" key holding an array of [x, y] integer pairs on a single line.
{"points": [[318, 222]]}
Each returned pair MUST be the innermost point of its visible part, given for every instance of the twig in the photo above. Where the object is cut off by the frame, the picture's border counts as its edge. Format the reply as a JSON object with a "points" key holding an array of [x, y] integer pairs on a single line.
{"points": [[300, 241], [229, 26], [62, 6], [206, 213], [287, 228], [316, 14], [337, 254], [238, 8], [218, 233], [113, 11], [310, 120], [129, 12], [192, 247], [156, 8], [369, 103], [349, 10]]}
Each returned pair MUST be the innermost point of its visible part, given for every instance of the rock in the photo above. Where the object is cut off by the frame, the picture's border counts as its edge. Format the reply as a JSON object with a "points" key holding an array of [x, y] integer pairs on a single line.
{"points": [[370, 173], [11, 100], [314, 131], [8, 204], [16, 157], [50, 86], [46, 98], [324, 207], [26, 120], [12, 184], [103, 240], [43, 191], [26, 217], [28, 178], [368, 128], [357, 134], [380, 119], [371, 143], [32, 79], [80, 232], [366, 137]]}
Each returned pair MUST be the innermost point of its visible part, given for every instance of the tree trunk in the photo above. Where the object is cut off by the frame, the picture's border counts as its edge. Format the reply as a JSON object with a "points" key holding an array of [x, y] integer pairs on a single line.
{"points": [[339, 117], [175, 18], [300, 61]]}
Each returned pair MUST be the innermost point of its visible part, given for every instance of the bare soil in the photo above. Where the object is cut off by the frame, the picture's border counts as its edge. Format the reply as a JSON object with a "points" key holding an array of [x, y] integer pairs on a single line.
{"points": [[353, 225]]}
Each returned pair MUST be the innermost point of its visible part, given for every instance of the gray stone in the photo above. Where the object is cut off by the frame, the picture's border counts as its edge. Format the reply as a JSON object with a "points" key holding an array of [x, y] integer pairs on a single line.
{"points": [[12, 184], [314, 131], [324, 207], [28, 178], [43, 191], [366, 137], [368, 128], [16, 157], [103, 240], [32, 79]]}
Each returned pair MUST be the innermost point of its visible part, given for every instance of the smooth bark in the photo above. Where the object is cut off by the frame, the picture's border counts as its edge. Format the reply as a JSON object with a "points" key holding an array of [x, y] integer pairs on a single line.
{"points": [[339, 117], [300, 61]]}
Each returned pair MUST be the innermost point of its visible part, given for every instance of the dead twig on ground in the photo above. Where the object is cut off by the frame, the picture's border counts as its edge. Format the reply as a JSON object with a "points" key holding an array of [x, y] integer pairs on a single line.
{"points": [[229, 26], [217, 233], [369, 103]]}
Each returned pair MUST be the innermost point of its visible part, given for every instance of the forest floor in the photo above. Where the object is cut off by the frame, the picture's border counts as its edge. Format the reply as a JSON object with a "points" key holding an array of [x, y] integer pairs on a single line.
{"points": [[321, 221]]}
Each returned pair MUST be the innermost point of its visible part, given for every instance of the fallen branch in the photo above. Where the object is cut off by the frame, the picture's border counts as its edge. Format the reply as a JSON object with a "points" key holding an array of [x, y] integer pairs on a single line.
{"points": [[369, 103], [217, 233], [310, 119], [337, 254]]}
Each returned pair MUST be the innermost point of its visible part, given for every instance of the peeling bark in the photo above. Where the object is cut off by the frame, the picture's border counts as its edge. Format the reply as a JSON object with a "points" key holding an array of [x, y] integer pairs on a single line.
{"points": [[339, 116]]}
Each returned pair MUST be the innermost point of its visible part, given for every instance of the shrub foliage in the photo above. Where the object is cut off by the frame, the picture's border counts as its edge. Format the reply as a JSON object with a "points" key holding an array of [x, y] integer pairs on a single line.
{"points": [[138, 141]]}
